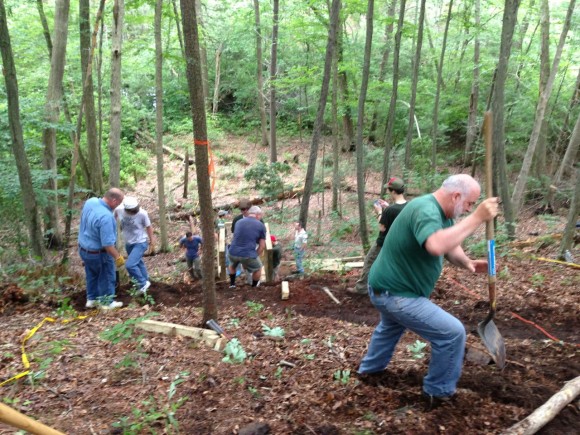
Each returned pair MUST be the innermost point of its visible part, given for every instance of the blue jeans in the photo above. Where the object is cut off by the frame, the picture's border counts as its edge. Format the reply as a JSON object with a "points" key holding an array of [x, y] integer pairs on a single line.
{"points": [[445, 333], [299, 255], [100, 276], [135, 265]]}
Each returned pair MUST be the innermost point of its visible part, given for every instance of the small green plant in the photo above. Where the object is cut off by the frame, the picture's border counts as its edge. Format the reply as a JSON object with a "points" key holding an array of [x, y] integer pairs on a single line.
{"points": [[267, 177], [235, 322], [504, 273], [309, 356], [255, 307], [235, 353], [416, 349], [254, 391], [342, 376], [537, 279], [154, 412], [305, 341], [240, 380], [65, 309], [57, 346], [123, 331], [278, 373], [273, 332], [142, 298]]}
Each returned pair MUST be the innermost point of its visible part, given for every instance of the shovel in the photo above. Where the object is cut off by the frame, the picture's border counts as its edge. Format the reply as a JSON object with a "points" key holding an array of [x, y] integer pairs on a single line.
{"points": [[487, 330]]}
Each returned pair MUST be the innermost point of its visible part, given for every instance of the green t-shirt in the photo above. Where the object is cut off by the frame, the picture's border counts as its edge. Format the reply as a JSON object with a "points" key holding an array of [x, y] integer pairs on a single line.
{"points": [[404, 267]]}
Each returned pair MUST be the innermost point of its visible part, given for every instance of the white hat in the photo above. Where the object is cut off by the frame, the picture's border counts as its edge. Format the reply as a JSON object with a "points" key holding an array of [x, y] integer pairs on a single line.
{"points": [[130, 202]]}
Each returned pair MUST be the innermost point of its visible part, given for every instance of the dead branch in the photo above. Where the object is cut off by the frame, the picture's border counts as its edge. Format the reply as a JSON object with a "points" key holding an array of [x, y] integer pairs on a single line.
{"points": [[541, 416]]}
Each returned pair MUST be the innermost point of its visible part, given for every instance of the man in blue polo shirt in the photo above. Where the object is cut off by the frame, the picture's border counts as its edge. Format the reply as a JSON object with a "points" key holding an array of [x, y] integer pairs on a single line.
{"points": [[97, 238], [248, 243], [404, 275]]}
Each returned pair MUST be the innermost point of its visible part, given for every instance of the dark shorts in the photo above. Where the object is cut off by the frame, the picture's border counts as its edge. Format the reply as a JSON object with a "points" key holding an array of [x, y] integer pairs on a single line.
{"points": [[250, 264]]}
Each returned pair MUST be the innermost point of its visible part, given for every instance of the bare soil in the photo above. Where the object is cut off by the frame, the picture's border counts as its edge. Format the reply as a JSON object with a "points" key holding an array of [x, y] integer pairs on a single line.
{"points": [[305, 383]]}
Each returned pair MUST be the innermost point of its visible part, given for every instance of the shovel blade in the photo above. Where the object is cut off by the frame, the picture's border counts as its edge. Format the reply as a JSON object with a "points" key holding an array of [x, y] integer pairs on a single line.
{"points": [[493, 342]]}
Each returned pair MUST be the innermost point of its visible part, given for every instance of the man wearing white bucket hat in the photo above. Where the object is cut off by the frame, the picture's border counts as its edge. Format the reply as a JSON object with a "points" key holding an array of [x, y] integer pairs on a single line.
{"points": [[136, 228]]}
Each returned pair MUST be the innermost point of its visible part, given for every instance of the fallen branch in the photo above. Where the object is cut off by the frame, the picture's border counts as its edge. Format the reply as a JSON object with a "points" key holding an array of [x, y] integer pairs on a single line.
{"points": [[541, 416], [330, 295]]}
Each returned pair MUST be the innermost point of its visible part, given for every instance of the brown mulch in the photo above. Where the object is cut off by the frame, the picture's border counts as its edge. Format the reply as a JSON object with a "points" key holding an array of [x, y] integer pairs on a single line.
{"points": [[91, 383]]}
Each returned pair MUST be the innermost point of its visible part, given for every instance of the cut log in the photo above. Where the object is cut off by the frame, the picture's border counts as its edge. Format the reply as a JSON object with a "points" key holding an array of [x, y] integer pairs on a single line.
{"points": [[287, 194], [541, 416], [330, 295], [209, 337]]}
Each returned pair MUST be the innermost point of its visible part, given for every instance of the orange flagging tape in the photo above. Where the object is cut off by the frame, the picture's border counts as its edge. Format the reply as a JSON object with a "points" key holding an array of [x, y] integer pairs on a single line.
{"points": [[200, 142], [517, 316]]}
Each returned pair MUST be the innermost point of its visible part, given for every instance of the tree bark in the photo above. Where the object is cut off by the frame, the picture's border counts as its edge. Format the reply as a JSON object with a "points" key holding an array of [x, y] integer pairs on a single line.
{"points": [[335, 132], [260, 75], [348, 142], [415, 80], [273, 66], [471, 133], [507, 32], [178, 25], [45, 29], [518, 194], [201, 146], [545, 413], [94, 148], [360, 168], [383, 66], [76, 146], [53, 232], [310, 171], [203, 55], [388, 138], [115, 119], [31, 211], [568, 236], [216, 86], [570, 155], [434, 134], [539, 159], [564, 132], [164, 242]]}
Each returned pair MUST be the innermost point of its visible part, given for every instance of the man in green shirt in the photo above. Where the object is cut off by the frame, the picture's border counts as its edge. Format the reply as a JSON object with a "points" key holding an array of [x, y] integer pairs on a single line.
{"points": [[404, 275]]}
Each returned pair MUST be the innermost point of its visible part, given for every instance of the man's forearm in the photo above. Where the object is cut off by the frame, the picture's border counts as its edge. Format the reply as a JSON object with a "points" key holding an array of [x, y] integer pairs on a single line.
{"points": [[444, 241]]}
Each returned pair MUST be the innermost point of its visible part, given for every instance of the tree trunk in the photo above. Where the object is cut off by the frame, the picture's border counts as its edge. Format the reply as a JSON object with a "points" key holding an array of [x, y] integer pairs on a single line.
{"points": [[438, 94], [260, 75], [201, 145], [518, 194], [164, 243], [310, 171], [383, 65], [507, 32], [216, 86], [273, 66], [335, 133], [348, 142], [79, 124], [564, 133], [115, 120], [464, 43], [415, 80], [53, 231], [568, 236], [471, 133], [31, 211], [570, 155], [203, 56], [540, 153], [388, 138], [360, 168], [94, 148], [178, 25], [45, 29]]}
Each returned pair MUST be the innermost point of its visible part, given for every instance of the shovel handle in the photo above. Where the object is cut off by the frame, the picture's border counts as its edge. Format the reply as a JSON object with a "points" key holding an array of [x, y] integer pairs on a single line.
{"points": [[489, 230]]}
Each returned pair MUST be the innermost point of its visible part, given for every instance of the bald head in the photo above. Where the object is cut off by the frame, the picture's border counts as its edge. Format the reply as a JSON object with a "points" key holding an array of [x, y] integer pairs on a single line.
{"points": [[113, 197], [458, 194]]}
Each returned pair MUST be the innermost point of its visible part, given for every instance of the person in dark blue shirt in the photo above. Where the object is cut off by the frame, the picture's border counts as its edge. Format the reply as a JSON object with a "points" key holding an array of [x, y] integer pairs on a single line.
{"points": [[192, 246], [247, 245]]}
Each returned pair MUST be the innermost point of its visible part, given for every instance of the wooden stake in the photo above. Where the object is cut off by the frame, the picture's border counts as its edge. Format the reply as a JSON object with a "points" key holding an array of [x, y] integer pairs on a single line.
{"points": [[330, 295]]}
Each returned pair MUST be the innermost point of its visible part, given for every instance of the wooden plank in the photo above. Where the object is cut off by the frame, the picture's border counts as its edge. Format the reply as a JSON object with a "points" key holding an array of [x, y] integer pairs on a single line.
{"points": [[198, 334], [221, 255], [285, 290]]}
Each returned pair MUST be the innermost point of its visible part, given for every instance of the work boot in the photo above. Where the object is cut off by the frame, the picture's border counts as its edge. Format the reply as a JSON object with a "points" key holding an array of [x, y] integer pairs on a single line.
{"points": [[145, 287], [91, 304], [112, 305], [431, 402]]}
